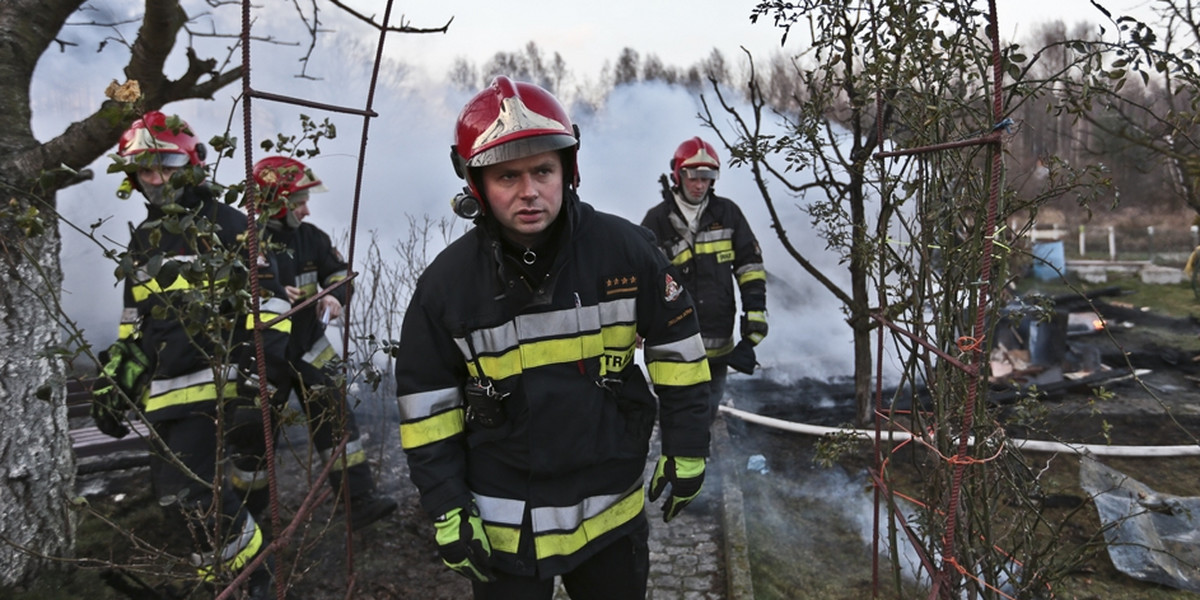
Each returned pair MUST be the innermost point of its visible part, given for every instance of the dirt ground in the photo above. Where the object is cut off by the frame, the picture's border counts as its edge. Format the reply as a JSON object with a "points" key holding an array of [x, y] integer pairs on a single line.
{"points": [[807, 528], [810, 526]]}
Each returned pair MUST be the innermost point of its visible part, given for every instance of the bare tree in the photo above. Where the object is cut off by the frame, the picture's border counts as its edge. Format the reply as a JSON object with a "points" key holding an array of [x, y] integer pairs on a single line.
{"points": [[36, 522]]}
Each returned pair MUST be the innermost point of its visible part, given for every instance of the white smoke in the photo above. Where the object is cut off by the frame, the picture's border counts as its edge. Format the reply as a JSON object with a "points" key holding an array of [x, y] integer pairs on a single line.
{"points": [[625, 146]]}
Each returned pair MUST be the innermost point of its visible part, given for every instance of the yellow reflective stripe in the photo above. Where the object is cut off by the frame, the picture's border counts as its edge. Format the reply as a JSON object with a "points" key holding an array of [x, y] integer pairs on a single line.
{"points": [[144, 290], [282, 325], [126, 331], [682, 257], [433, 429], [197, 393], [714, 247], [320, 353], [674, 373], [503, 538], [336, 277], [751, 276], [354, 454], [247, 480], [540, 354], [248, 550], [719, 349], [349, 460], [565, 544]]}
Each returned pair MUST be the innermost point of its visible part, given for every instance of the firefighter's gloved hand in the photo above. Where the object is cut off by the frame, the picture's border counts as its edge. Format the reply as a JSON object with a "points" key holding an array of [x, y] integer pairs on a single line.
{"points": [[106, 413], [463, 544], [124, 375], [125, 365], [743, 358], [685, 474], [754, 325]]}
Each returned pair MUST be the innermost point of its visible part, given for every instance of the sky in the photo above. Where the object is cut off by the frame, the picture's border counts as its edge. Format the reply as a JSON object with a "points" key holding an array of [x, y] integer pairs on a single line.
{"points": [[407, 174], [680, 33]]}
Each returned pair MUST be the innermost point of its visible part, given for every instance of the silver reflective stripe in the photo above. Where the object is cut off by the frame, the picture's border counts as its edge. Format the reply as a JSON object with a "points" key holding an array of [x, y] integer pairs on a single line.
{"points": [[425, 404], [306, 278], [275, 305], [141, 275], [613, 312], [318, 347], [748, 268], [500, 511], [162, 386], [554, 324], [714, 236], [129, 316], [717, 343], [569, 518], [352, 446], [247, 480], [233, 548], [688, 349]]}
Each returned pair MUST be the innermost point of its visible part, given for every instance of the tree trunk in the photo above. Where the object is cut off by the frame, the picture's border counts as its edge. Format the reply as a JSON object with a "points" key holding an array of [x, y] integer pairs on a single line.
{"points": [[36, 459]]}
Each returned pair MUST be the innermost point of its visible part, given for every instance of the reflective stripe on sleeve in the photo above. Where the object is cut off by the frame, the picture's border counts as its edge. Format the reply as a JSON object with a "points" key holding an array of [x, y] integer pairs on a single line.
{"points": [[432, 429]]}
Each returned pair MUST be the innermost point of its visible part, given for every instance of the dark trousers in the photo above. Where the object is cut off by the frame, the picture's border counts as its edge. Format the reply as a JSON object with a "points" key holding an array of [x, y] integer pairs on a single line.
{"points": [[617, 572], [719, 370], [188, 500]]}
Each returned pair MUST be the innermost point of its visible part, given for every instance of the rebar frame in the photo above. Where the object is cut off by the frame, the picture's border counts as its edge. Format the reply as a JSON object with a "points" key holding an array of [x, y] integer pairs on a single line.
{"points": [[941, 574], [318, 493]]}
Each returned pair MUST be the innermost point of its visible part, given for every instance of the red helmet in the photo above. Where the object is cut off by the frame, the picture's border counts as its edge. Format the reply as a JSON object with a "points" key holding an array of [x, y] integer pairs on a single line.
{"points": [[511, 120], [698, 157], [281, 176], [152, 140]]}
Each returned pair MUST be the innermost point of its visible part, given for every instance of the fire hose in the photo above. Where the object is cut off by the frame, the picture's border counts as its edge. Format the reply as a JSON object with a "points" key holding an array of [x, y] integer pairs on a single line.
{"points": [[1028, 445]]}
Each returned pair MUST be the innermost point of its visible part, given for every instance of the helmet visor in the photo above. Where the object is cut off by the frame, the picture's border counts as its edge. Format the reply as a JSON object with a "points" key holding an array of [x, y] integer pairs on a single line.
{"points": [[169, 160], [700, 173], [521, 148]]}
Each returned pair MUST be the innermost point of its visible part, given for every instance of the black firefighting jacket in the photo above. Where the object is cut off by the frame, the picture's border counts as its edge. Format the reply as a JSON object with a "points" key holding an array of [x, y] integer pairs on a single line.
{"points": [[178, 305], [309, 261], [724, 250], [561, 477]]}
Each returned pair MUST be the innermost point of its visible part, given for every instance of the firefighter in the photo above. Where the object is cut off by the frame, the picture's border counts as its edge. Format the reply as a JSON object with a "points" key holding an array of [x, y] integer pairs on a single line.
{"points": [[706, 237], [183, 351], [307, 262], [525, 421]]}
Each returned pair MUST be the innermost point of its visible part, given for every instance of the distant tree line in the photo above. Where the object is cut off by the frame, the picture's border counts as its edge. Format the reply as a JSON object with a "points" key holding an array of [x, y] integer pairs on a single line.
{"points": [[1138, 132]]}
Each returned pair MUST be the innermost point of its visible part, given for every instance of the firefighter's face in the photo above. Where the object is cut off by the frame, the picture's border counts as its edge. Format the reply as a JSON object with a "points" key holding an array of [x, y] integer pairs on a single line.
{"points": [[695, 187], [525, 195]]}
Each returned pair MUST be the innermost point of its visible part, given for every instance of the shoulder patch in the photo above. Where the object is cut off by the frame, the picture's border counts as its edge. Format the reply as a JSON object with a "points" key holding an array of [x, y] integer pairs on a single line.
{"points": [[671, 288]]}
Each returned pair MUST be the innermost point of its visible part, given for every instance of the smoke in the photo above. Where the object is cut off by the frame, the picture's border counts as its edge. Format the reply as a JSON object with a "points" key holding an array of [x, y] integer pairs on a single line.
{"points": [[625, 146]]}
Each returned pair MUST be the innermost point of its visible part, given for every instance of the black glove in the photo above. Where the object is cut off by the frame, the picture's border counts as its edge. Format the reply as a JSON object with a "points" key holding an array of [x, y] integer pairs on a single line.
{"points": [[686, 476], [108, 418], [464, 544], [742, 358]]}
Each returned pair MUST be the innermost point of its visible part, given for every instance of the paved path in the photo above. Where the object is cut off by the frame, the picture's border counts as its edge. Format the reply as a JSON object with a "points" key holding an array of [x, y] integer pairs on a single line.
{"points": [[700, 554]]}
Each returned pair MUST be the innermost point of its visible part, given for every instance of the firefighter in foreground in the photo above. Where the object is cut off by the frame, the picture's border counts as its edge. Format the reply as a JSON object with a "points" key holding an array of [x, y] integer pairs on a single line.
{"points": [[706, 237], [307, 262], [184, 349], [525, 421]]}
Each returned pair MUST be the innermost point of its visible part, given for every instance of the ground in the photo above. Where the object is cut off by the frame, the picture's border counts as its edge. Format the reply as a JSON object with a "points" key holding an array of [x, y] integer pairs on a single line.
{"points": [[809, 526]]}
